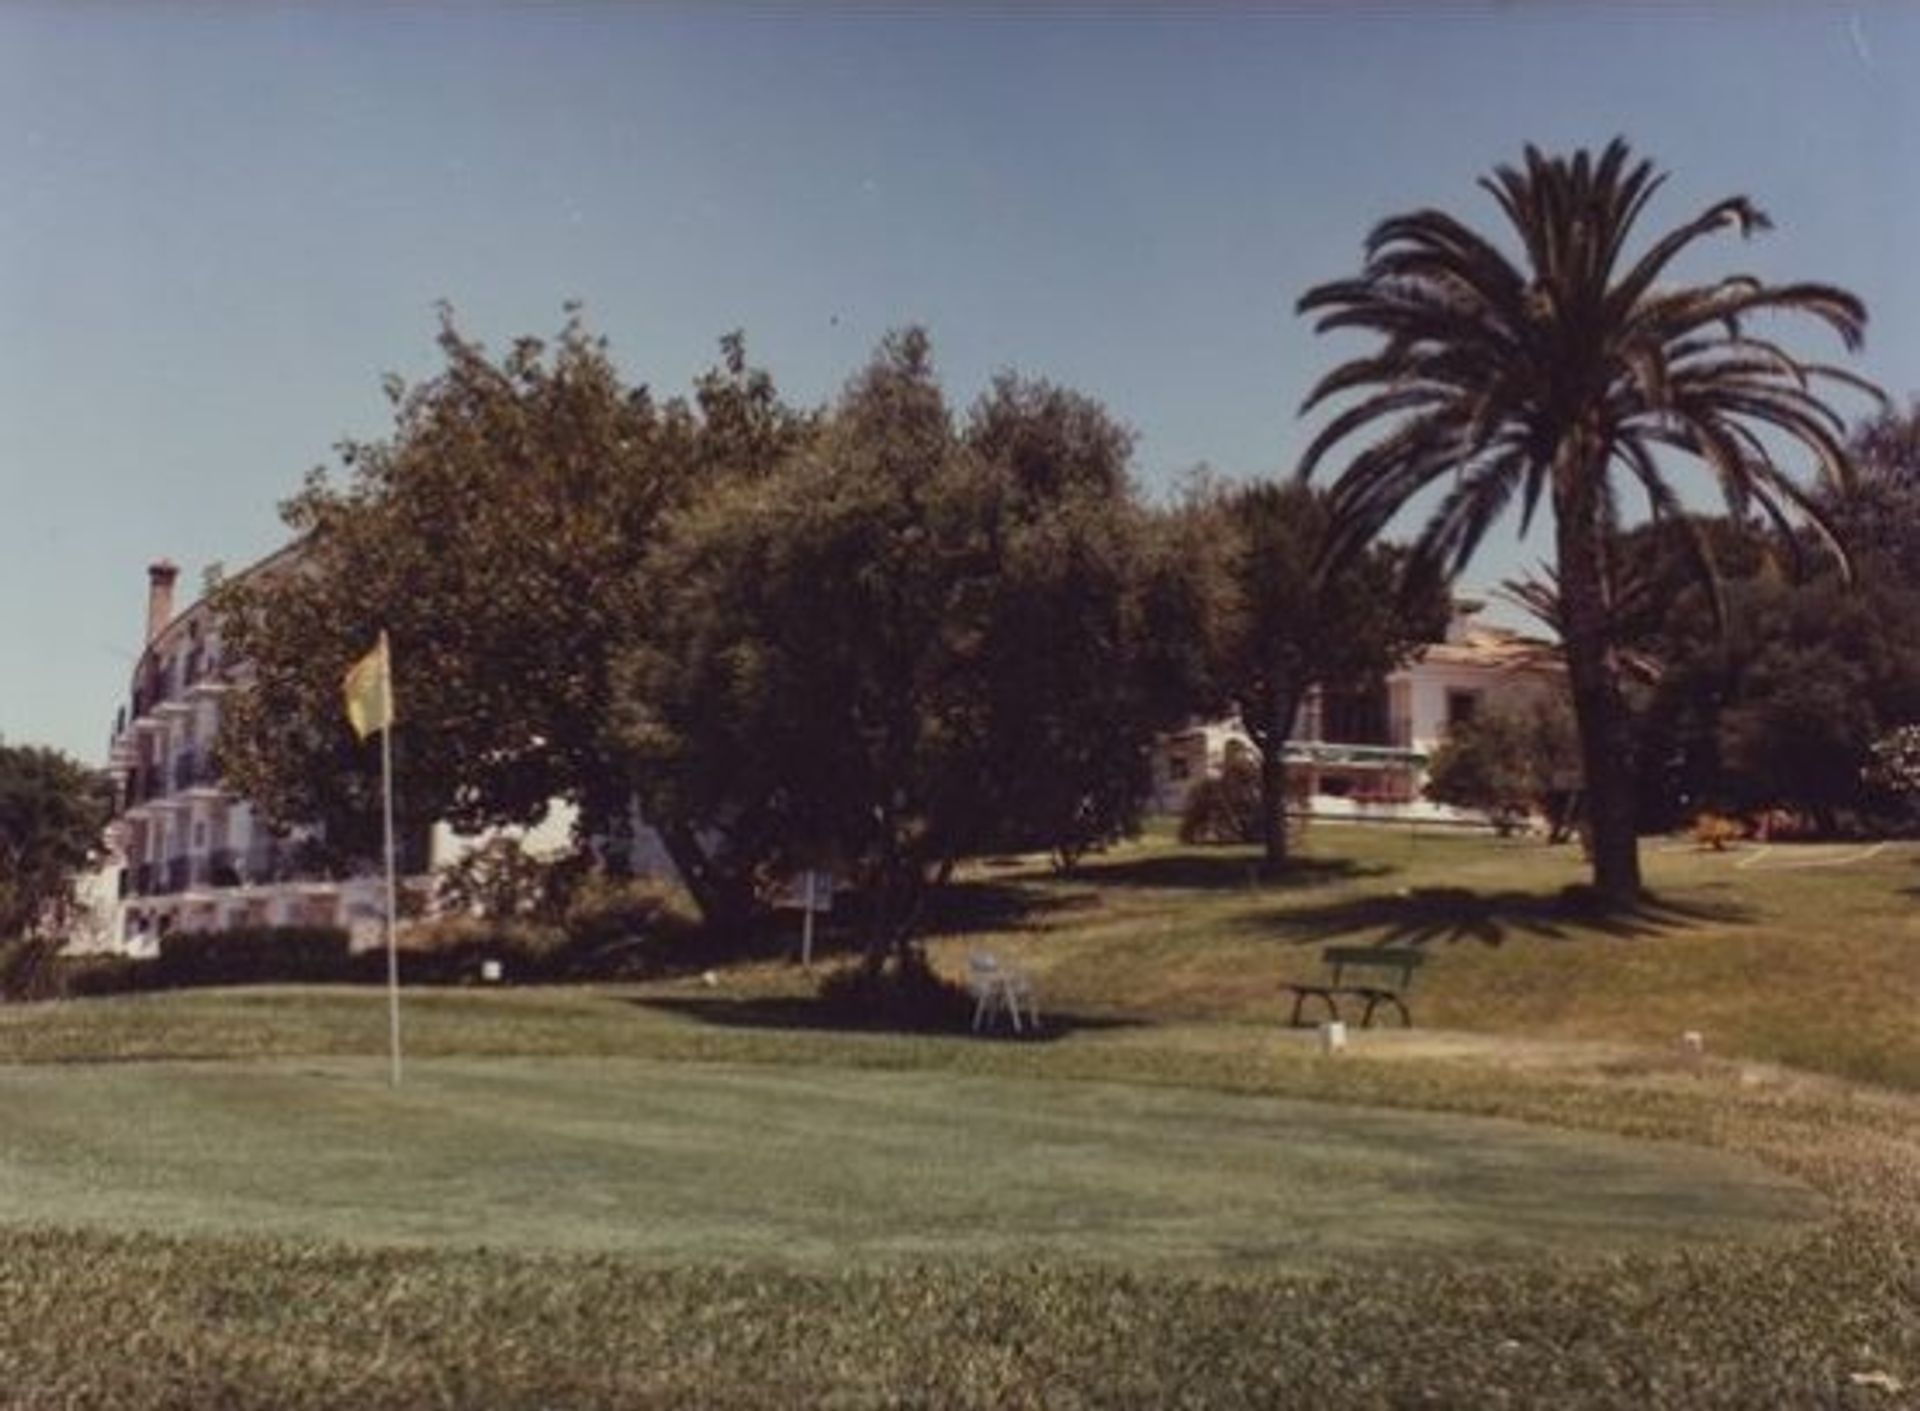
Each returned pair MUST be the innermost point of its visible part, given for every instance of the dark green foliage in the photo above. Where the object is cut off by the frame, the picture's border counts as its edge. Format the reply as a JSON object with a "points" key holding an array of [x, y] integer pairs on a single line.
{"points": [[1878, 515], [52, 811], [605, 910], [1511, 764], [497, 535], [608, 928], [1771, 694], [1287, 617], [906, 643], [1893, 770], [501, 881], [82, 976], [1226, 807], [253, 955], [904, 994], [1563, 379], [28, 967]]}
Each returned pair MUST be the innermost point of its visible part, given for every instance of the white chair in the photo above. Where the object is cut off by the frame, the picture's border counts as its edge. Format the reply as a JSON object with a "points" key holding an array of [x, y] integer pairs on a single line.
{"points": [[998, 988]]}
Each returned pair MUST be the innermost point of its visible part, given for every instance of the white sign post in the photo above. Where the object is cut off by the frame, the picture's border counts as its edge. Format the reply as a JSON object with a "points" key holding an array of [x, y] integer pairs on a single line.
{"points": [[816, 895], [806, 921]]}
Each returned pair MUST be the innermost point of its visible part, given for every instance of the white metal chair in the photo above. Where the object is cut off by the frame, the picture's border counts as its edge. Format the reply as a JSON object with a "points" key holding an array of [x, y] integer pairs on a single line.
{"points": [[998, 989]]}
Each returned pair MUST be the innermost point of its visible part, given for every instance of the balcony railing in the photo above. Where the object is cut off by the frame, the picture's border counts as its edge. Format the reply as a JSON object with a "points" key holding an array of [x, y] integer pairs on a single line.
{"points": [[194, 769], [201, 664]]}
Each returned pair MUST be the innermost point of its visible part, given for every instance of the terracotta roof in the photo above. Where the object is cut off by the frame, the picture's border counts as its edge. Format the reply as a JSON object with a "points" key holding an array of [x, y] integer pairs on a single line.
{"points": [[1499, 647]]}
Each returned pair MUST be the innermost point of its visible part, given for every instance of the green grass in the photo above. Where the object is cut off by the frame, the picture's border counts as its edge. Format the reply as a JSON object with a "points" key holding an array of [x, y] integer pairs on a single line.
{"points": [[1811, 966], [826, 1167], [229, 1223]]}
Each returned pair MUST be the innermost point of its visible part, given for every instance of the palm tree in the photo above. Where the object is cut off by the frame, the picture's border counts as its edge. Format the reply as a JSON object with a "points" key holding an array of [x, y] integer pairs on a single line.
{"points": [[1571, 376]]}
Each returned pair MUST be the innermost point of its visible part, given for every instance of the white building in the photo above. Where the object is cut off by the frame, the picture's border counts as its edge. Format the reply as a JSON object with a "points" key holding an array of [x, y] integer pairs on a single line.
{"points": [[1364, 754], [187, 853]]}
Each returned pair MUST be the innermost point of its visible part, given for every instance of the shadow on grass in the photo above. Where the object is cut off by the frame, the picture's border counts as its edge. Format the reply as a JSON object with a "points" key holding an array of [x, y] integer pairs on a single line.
{"points": [[961, 908], [791, 1013], [1238, 871], [1429, 915]]}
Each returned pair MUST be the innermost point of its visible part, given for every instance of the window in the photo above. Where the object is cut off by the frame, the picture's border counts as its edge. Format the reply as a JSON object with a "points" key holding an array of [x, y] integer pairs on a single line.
{"points": [[1461, 706]]}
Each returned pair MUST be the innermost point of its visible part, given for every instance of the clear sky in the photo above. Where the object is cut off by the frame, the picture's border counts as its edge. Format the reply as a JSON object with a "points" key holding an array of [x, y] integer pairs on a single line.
{"points": [[221, 224]]}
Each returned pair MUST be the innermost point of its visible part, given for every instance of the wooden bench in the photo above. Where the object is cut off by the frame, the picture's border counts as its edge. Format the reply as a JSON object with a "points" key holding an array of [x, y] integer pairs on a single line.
{"points": [[1385, 976]]}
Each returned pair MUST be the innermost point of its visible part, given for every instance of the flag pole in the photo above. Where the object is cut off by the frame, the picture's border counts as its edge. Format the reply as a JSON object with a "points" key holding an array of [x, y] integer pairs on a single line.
{"points": [[393, 949]]}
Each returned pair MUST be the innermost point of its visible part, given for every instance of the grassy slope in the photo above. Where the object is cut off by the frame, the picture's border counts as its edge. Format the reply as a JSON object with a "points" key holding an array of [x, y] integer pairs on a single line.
{"points": [[1809, 965]]}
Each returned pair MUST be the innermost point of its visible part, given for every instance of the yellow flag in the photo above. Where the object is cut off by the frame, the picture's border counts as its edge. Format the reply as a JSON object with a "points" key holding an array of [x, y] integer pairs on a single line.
{"points": [[369, 691]]}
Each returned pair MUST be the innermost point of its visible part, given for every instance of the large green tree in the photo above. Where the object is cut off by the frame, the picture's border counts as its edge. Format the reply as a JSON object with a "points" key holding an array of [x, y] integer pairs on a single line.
{"points": [[1569, 373], [1287, 617], [1512, 763], [910, 641], [52, 813], [1771, 693], [497, 534]]}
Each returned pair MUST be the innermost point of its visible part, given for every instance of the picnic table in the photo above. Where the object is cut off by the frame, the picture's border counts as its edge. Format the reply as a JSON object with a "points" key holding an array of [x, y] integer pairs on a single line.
{"points": [[1377, 975]]}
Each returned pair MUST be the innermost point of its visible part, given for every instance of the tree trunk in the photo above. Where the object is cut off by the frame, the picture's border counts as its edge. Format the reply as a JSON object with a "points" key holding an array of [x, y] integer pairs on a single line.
{"points": [[725, 900], [1274, 733], [896, 900], [1606, 737]]}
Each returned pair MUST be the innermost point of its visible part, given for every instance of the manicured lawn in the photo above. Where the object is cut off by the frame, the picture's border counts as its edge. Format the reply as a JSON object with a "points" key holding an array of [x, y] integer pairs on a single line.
{"points": [[826, 1168], [692, 1194]]}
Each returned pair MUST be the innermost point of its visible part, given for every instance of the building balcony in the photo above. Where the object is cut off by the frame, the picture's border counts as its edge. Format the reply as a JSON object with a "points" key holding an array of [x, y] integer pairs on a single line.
{"points": [[195, 769], [205, 675]]}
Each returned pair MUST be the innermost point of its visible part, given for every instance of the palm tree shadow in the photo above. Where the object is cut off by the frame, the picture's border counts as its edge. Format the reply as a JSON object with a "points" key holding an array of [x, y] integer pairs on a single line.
{"points": [[1424, 916], [1225, 871]]}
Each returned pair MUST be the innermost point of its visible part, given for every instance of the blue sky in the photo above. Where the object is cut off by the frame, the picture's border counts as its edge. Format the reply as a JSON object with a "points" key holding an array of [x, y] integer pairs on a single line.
{"points": [[223, 224]]}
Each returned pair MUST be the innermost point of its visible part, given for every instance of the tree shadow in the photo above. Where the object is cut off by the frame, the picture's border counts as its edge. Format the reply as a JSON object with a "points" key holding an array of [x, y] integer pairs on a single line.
{"points": [[1423, 916], [961, 908], [1198, 871], [807, 1014]]}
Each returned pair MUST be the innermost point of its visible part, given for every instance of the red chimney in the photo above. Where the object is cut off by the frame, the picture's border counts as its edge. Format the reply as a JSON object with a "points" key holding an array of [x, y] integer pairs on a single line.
{"points": [[160, 578]]}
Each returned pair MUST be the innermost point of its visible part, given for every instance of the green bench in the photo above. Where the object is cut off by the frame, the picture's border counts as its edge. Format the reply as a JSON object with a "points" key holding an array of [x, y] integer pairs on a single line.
{"points": [[1374, 974]]}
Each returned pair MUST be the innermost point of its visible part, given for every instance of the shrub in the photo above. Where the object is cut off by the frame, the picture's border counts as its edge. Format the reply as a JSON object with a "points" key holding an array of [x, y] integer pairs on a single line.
{"points": [[502, 881], [905, 993], [1715, 831], [82, 976], [612, 928], [27, 969], [252, 955], [1226, 807], [607, 910], [453, 949]]}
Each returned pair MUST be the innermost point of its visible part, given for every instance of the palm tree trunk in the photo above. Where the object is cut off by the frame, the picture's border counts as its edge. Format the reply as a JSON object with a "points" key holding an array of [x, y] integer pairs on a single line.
{"points": [[1275, 730], [1273, 807], [1606, 739]]}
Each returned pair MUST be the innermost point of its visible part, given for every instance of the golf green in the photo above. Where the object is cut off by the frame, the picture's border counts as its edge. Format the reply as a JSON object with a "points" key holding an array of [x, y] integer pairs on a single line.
{"points": [[816, 1166]]}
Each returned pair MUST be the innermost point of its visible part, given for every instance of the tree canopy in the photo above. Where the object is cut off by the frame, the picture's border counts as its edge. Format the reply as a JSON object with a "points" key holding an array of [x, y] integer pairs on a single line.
{"points": [[495, 534], [1512, 763], [1284, 617], [910, 641], [52, 813]]}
